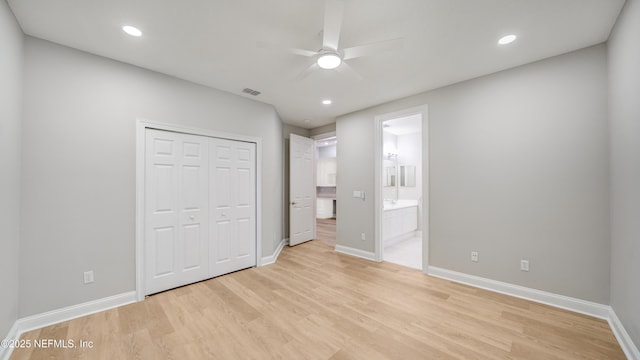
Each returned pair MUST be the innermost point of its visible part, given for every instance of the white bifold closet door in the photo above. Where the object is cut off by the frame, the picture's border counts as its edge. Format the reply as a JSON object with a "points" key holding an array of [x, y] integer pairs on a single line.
{"points": [[233, 206], [193, 233], [177, 210]]}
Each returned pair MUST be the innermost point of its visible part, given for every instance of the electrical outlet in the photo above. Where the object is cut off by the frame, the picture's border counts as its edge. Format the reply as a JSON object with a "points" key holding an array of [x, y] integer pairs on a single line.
{"points": [[88, 277], [363, 237], [524, 265], [474, 256]]}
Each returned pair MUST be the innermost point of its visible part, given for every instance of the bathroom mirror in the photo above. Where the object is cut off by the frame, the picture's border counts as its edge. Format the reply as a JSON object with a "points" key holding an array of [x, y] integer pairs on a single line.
{"points": [[407, 176], [389, 176]]}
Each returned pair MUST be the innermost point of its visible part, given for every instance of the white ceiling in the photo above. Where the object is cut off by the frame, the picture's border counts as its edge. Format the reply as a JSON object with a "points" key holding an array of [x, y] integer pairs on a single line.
{"points": [[214, 42]]}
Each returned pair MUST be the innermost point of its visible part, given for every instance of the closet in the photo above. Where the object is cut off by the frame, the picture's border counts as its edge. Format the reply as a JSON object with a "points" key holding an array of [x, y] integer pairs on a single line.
{"points": [[200, 208]]}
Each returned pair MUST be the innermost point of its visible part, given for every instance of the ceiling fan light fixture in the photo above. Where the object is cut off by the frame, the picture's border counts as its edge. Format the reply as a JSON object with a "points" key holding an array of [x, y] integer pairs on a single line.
{"points": [[329, 61]]}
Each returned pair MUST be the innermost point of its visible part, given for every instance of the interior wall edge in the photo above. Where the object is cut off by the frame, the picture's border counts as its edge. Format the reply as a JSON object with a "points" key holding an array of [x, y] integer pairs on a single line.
{"points": [[11, 117], [271, 259], [623, 57]]}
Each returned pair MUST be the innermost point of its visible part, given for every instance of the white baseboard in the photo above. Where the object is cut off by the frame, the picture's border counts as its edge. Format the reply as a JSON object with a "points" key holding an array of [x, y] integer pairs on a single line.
{"points": [[560, 301], [630, 349], [75, 311], [581, 306], [5, 352], [356, 252], [38, 321], [271, 259]]}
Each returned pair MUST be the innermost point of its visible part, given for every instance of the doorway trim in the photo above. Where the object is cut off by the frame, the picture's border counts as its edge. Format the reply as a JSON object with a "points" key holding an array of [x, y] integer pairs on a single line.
{"points": [[141, 126], [423, 110]]}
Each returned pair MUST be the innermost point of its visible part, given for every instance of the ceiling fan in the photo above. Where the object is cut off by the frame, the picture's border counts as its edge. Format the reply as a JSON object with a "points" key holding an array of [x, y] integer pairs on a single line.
{"points": [[330, 56]]}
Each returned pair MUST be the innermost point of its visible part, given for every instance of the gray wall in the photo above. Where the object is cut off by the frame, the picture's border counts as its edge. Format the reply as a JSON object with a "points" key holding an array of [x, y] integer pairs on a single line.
{"points": [[323, 129], [11, 61], [79, 167], [355, 172], [624, 115], [518, 169]]}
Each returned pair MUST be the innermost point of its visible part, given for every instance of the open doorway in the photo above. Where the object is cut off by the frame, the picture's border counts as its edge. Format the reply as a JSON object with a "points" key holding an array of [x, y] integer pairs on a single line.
{"points": [[326, 175], [402, 188]]}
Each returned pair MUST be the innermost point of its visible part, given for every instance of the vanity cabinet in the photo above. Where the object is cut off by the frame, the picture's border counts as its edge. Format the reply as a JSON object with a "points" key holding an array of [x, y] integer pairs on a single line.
{"points": [[399, 224], [324, 208]]}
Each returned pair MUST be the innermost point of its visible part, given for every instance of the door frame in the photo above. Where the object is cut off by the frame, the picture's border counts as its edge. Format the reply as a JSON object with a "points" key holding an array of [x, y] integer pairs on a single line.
{"points": [[141, 126], [423, 110]]}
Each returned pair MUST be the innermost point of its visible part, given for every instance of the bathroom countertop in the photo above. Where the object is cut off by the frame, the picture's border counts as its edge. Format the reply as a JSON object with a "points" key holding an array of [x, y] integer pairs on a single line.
{"points": [[400, 204]]}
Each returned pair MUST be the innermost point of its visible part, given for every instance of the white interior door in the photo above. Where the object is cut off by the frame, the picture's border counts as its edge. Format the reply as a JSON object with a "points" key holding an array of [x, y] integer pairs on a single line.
{"points": [[232, 172], [176, 210], [301, 190]]}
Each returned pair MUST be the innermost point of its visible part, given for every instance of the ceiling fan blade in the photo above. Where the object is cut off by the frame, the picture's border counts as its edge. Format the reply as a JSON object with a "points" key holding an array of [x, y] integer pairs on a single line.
{"points": [[344, 68], [332, 23], [296, 51], [306, 72], [303, 52], [373, 48]]}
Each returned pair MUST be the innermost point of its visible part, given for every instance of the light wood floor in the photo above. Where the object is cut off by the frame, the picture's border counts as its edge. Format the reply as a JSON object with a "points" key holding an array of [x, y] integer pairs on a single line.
{"points": [[326, 231], [317, 304]]}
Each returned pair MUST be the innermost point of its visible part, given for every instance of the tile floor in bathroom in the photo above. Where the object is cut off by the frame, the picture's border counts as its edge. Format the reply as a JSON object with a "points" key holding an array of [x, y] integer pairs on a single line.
{"points": [[407, 252]]}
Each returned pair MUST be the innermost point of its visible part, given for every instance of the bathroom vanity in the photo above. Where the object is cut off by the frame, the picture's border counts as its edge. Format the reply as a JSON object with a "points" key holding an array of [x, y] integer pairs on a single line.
{"points": [[400, 221]]}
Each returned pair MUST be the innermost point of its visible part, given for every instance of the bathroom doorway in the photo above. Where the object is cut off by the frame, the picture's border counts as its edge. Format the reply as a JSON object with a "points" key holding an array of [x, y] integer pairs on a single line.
{"points": [[401, 214]]}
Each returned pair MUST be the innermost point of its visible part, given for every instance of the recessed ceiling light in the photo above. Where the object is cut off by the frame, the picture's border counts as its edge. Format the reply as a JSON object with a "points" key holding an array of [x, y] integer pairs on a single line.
{"points": [[329, 60], [132, 30], [326, 102], [507, 39]]}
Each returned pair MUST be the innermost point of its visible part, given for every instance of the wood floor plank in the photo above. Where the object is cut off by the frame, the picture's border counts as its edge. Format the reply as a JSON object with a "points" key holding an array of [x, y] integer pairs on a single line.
{"points": [[326, 231], [317, 304]]}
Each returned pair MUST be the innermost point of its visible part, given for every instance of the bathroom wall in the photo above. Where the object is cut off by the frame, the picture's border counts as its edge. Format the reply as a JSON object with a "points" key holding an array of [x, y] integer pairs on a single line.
{"points": [[410, 153], [326, 152], [389, 145]]}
